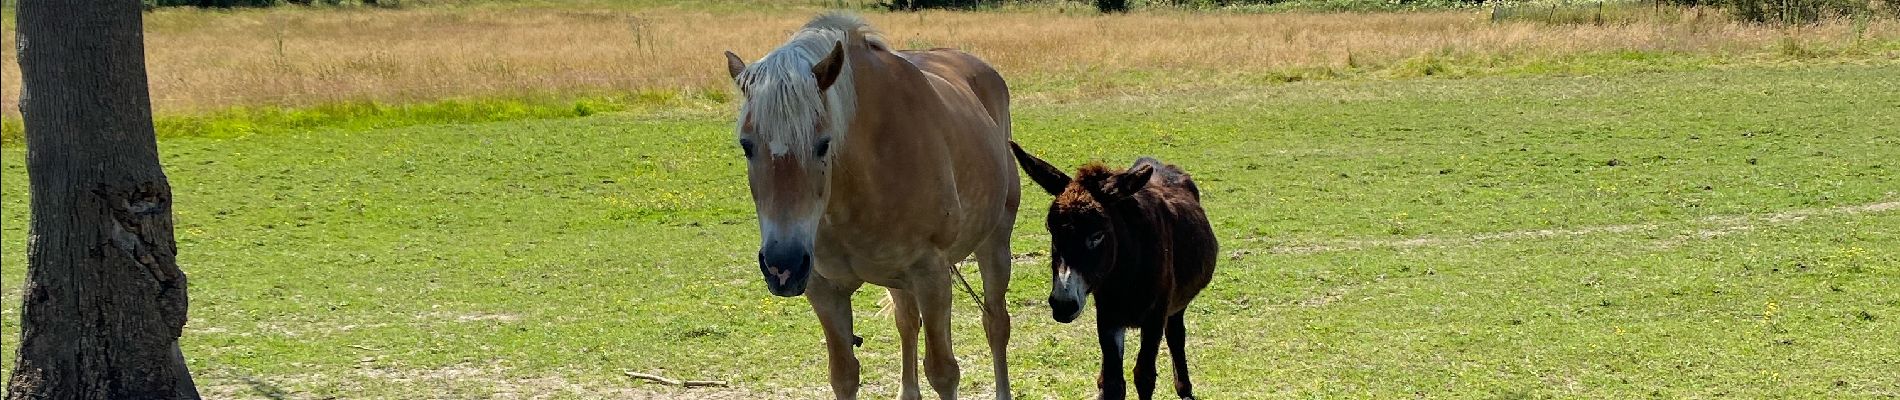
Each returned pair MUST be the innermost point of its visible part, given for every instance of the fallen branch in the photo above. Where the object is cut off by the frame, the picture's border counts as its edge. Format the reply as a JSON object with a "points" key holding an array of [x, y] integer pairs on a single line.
{"points": [[675, 382]]}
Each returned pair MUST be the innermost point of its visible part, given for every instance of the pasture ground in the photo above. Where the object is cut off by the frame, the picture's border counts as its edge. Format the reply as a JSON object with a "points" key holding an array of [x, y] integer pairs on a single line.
{"points": [[1674, 234], [209, 61]]}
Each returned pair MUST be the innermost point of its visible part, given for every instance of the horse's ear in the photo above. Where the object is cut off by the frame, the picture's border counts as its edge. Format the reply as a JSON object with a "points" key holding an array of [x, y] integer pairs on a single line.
{"points": [[734, 65], [828, 69], [1047, 176], [1124, 185]]}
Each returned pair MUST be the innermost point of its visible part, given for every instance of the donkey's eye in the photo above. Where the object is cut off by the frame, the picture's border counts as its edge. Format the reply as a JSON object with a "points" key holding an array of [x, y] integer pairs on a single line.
{"points": [[746, 145], [823, 146], [1095, 240]]}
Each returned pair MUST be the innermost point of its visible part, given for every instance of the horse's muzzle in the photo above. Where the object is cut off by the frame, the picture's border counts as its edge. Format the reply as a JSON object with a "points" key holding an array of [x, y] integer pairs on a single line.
{"points": [[786, 269]]}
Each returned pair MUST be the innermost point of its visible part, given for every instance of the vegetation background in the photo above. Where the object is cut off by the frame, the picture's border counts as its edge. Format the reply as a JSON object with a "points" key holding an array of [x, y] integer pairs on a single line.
{"points": [[524, 199]]}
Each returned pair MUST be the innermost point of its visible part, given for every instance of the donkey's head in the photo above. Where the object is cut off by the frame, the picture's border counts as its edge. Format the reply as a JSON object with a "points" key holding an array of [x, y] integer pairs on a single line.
{"points": [[1081, 225], [796, 110]]}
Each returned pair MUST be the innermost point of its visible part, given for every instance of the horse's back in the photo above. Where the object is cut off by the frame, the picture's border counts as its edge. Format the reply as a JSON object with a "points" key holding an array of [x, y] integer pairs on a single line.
{"points": [[974, 129], [967, 72]]}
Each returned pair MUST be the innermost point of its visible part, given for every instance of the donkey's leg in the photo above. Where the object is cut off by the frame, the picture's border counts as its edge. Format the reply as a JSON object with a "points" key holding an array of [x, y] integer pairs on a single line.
{"points": [[832, 302], [907, 324], [993, 260], [1177, 350], [1145, 358], [1110, 382], [930, 284]]}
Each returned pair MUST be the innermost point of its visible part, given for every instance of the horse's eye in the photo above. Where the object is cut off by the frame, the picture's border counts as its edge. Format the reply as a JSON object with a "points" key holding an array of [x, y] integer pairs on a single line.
{"points": [[746, 145], [1095, 240], [823, 146]]}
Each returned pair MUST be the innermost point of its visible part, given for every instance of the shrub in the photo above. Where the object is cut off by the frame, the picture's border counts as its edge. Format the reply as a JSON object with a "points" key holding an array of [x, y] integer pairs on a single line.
{"points": [[150, 4], [1795, 11], [913, 5], [209, 3], [1791, 11]]}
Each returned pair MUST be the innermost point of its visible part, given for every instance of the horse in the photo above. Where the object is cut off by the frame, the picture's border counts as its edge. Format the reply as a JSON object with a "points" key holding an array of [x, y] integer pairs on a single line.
{"points": [[868, 164], [1138, 240]]}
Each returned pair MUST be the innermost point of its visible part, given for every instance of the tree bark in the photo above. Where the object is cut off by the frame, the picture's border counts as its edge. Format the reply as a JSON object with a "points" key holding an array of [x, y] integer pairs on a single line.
{"points": [[104, 301]]}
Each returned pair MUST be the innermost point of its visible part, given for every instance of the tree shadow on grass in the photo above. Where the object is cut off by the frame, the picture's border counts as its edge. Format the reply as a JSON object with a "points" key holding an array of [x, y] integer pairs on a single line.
{"points": [[259, 386]]}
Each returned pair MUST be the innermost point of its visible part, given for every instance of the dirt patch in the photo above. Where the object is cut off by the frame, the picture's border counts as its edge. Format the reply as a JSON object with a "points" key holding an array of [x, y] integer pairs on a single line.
{"points": [[459, 381], [1322, 299], [1715, 226], [1360, 244], [469, 317]]}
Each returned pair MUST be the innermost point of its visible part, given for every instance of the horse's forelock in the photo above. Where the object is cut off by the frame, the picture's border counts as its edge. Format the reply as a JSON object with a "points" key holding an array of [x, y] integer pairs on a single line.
{"points": [[781, 105], [782, 92]]}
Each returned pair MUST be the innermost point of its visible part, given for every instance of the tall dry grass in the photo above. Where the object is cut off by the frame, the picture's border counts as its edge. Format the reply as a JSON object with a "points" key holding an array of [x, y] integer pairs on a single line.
{"points": [[203, 60]]}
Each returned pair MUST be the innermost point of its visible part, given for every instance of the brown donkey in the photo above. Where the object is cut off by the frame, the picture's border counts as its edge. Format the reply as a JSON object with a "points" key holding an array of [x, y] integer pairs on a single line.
{"points": [[1137, 240]]}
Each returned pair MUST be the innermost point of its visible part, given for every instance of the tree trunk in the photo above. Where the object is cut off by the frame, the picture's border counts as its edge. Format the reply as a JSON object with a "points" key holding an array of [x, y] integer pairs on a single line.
{"points": [[104, 301]]}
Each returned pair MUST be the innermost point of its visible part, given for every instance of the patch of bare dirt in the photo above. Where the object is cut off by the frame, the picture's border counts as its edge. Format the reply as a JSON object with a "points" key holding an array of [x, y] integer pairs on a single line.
{"points": [[1715, 226], [491, 381]]}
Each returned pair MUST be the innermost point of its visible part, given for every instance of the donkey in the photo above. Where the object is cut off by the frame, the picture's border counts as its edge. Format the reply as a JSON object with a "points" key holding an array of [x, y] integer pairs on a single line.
{"points": [[1137, 240], [888, 167]]}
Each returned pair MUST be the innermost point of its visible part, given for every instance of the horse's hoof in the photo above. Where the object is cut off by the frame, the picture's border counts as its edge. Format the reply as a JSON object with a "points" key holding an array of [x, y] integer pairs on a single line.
{"points": [[857, 341]]}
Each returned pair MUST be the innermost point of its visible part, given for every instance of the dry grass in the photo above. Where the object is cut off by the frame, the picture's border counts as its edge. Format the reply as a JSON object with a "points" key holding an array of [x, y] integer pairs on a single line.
{"points": [[203, 60]]}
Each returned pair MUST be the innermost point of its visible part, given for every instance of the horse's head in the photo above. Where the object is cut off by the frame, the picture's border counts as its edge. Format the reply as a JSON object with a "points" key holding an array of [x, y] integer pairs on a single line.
{"points": [[1081, 228], [790, 127]]}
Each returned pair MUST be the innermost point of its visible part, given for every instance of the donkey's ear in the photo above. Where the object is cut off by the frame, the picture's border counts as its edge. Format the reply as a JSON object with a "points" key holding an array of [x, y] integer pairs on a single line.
{"points": [[1048, 176], [1124, 185], [828, 69], [734, 65]]}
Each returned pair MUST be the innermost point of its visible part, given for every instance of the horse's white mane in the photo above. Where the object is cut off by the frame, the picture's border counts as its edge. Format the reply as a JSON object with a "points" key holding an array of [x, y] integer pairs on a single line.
{"points": [[783, 94]]}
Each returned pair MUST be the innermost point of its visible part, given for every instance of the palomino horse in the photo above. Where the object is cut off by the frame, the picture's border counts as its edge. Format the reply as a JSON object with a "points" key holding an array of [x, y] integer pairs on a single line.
{"points": [[880, 166], [1138, 240]]}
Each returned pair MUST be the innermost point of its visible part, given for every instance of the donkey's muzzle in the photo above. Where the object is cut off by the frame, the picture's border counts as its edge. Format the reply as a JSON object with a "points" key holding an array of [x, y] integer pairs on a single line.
{"points": [[786, 269], [1065, 310], [1067, 295]]}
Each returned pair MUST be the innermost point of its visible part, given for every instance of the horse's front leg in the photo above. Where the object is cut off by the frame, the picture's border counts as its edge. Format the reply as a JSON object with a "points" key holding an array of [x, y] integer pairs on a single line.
{"points": [[831, 300], [907, 326], [931, 286], [1110, 382]]}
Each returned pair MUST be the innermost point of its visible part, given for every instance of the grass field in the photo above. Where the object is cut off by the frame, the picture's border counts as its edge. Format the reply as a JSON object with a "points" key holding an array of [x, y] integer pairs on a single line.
{"points": [[207, 61], [1688, 234]]}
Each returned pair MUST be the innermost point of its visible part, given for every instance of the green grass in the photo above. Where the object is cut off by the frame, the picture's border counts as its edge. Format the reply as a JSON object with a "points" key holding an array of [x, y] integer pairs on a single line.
{"points": [[1672, 234], [368, 115], [1084, 82]]}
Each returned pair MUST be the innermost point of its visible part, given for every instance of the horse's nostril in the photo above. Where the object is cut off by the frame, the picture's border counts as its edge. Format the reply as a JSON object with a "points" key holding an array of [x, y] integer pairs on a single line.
{"points": [[782, 265]]}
